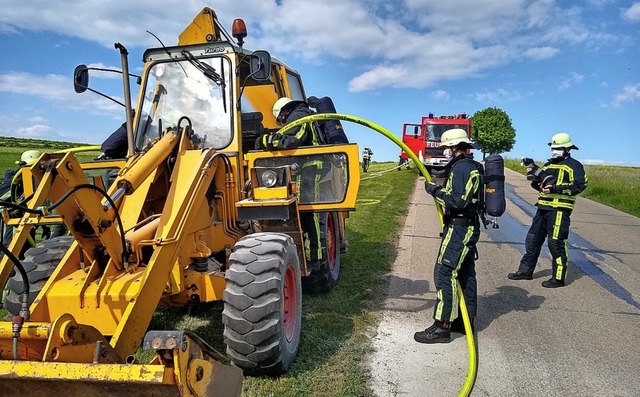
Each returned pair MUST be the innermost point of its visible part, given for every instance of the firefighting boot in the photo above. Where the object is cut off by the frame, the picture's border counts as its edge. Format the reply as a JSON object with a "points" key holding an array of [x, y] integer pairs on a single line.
{"points": [[437, 333], [553, 283], [457, 325], [520, 276]]}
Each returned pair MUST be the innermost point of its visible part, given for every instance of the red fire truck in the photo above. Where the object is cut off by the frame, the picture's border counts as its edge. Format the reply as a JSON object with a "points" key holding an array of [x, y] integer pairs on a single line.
{"points": [[424, 139]]}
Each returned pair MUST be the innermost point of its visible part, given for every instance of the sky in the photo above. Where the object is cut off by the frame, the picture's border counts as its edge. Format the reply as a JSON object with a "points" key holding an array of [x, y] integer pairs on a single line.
{"points": [[551, 65]]}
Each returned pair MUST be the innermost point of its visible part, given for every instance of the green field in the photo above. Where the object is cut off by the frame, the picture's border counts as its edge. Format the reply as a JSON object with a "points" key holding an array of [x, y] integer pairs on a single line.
{"points": [[11, 149], [617, 187]]}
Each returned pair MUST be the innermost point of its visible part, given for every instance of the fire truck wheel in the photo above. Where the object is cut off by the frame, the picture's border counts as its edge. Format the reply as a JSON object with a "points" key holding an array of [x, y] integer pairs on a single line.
{"points": [[325, 278], [39, 262], [262, 313]]}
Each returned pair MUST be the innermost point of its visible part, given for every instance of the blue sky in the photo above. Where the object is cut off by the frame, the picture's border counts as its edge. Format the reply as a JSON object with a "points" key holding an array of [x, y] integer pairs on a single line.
{"points": [[551, 65]]}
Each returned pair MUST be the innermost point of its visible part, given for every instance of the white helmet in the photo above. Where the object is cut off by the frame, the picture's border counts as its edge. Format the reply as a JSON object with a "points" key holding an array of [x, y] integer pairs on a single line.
{"points": [[279, 104], [454, 137], [28, 157]]}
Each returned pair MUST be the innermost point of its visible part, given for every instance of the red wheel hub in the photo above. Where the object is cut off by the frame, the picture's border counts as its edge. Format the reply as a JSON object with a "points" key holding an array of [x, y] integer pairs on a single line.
{"points": [[331, 242], [290, 302]]}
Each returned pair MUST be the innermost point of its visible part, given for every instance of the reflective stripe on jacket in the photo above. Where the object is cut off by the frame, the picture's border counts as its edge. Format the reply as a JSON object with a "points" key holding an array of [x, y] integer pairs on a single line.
{"points": [[460, 191], [569, 181], [304, 135]]}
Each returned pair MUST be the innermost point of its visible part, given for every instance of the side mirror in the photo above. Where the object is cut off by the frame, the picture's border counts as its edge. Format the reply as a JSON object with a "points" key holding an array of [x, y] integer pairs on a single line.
{"points": [[415, 132], [260, 65], [81, 79]]}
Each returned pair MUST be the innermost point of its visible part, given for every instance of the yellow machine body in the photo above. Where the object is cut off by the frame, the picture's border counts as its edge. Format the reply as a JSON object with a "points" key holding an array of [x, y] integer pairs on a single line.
{"points": [[164, 231]]}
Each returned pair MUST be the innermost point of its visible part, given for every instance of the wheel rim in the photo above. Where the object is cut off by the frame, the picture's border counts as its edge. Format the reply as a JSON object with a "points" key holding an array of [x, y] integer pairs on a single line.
{"points": [[331, 242], [290, 303]]}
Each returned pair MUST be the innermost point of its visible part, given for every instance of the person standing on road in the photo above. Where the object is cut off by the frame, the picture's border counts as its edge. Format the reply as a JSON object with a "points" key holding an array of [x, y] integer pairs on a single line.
{"points": [[286, 111], [455, 262], [558, 182]]}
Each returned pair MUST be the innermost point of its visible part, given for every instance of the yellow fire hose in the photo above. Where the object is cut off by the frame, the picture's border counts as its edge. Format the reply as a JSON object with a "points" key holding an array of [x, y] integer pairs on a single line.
{"points": [[473, 362]]}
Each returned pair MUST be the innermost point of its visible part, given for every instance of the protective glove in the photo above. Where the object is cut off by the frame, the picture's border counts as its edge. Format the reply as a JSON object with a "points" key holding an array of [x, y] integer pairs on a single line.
{"points": [[264, 141], [431, 188], [548, 184], [534, 173], [258, 144], [526, 161]]}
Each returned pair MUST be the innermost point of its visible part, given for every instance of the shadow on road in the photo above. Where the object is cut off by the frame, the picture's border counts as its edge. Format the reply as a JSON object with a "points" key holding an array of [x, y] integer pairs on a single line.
{"points": [[505, 299]]}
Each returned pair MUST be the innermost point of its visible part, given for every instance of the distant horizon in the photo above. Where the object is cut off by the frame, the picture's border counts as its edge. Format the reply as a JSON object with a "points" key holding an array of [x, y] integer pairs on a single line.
{"points": [[476, 153]]}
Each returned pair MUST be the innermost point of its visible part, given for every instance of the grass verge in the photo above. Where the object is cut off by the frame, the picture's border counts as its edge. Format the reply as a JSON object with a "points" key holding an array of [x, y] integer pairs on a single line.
{"points": [[335, 325]]}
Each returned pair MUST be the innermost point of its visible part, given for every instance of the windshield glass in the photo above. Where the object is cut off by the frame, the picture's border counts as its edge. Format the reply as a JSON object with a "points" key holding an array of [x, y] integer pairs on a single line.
{"points": [[435, 131], [179, 89]]}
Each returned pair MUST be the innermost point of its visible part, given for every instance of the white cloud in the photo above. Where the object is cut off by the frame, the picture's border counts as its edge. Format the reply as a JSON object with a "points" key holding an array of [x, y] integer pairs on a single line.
{"points": [[607, 162], [37, 120], [440, 95], [499, 96], [35, 131], [423, 41], [57, 90], [573, 79], [540, 53], [632, 13], [630, 93]]}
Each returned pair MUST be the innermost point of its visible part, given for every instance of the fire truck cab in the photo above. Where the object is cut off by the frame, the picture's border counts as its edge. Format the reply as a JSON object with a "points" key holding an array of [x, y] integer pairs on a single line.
{"points": [[424, 139]]}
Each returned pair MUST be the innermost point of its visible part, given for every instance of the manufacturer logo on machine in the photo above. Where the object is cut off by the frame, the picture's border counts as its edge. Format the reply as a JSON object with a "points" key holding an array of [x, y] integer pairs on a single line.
{"points": [[213, 50]]}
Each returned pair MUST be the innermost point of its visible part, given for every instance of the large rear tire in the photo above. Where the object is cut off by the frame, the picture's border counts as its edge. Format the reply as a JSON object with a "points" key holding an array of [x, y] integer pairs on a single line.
{"points": [[262, 313], [326, 277], [39, 262]]}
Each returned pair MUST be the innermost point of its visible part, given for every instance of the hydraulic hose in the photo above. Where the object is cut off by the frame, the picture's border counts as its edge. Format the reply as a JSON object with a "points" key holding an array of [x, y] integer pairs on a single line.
{"points": [[473, 362]]}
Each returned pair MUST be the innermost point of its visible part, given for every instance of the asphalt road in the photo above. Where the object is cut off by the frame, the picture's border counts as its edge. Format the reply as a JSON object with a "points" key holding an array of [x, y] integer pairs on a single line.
{"points": [[579, 340]]}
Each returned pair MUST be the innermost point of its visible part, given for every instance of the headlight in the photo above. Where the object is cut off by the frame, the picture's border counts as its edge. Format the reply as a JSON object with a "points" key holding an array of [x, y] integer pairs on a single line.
{"points": [[269, 178]]}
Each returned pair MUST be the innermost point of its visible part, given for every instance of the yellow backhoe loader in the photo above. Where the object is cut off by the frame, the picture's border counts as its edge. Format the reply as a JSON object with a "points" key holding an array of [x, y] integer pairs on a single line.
{"points": [[192, 214]]}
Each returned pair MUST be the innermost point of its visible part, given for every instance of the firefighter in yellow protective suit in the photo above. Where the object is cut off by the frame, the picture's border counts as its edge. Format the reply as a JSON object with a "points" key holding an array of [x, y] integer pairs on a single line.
{"points": [[286, 110], [558, 182], [455, 262]]}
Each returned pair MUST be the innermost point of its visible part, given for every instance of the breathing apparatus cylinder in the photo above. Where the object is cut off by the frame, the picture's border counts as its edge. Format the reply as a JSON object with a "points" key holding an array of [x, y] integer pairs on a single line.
{"points": [[494, 197]]}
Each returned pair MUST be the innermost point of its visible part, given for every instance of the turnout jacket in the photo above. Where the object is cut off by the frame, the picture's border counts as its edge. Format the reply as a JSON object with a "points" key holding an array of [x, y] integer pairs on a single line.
{"points": [[304, 135], [567, 179], [459, 195]]}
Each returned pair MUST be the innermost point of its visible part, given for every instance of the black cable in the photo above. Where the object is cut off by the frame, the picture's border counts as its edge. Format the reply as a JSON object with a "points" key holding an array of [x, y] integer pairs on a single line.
{"points": [[111, 202], [19, 207], [24, 297]]}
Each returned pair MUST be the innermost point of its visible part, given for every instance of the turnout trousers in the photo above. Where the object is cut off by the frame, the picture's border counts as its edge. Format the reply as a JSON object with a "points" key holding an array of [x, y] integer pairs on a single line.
{"points": [[313, 224], [456, 263], [554, 226]]}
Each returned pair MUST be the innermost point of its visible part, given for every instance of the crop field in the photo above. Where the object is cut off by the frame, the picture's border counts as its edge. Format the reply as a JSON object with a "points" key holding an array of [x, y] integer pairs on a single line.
{"points": [[11, 149]]}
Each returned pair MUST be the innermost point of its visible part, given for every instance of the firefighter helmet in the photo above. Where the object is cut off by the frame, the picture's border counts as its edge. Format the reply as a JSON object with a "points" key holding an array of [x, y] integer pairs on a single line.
{"points": [[562, 140], [28, 157], [279, 104], [455, 137]]}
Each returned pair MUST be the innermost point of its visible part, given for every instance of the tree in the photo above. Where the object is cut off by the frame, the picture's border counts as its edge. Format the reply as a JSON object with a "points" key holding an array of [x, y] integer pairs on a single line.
{"points": [[491, 129]]}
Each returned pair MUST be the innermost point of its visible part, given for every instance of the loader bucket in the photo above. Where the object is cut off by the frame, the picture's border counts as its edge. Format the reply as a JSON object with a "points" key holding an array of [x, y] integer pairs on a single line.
{"points": [[33, 378], [184, 366]]}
